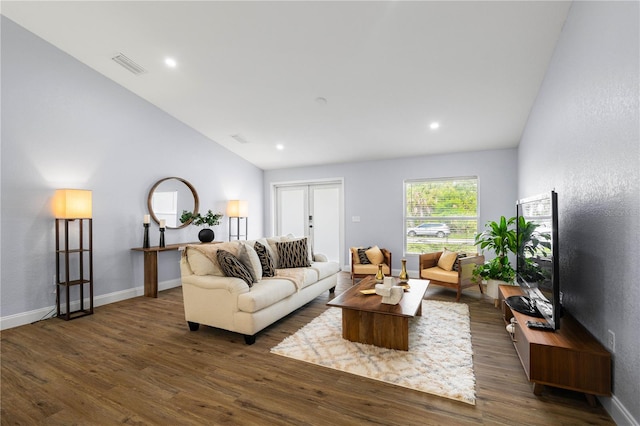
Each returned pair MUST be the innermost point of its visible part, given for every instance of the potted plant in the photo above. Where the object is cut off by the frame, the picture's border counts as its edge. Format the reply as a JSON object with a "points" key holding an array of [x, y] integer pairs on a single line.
{"points": [[501, 238], [206, 235]]}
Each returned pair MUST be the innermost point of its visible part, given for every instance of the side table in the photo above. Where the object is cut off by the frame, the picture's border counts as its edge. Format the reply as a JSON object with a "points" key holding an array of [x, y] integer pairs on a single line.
{"points": [[151, 264]]}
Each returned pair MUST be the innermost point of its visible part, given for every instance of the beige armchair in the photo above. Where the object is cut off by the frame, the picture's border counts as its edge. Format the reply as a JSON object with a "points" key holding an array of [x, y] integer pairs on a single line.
{"points": [[375, 256], [450, 270]]}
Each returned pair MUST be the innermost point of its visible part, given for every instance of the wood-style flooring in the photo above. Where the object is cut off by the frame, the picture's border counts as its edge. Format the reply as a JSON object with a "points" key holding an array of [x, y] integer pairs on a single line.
{"points": [[136, 362]]}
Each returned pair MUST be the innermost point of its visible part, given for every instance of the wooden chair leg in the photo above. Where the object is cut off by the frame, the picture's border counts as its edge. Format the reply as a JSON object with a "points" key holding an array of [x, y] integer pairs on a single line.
{"points": [[459, 294]]}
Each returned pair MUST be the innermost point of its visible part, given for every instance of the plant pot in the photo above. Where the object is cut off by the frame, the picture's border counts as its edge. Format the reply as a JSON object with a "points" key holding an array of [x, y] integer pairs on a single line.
{"points": [[492, 289], [206, 235]]}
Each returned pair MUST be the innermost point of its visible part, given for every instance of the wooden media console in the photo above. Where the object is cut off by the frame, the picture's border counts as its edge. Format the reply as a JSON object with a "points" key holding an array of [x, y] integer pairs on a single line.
{"points": [[569, 358]]}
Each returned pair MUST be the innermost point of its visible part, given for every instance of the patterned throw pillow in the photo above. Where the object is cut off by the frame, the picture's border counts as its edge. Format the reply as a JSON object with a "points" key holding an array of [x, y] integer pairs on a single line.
{"points": [[363, 256], [460, 256], [268, 268], [232, 267], [293, 254]]}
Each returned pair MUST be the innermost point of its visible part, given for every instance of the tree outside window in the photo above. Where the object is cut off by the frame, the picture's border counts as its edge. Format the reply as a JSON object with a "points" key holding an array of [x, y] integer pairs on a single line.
{"points": [[441, 213]]}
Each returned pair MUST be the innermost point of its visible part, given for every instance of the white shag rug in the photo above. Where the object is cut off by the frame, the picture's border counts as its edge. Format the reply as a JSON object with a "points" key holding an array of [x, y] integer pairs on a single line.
{"points": [[439, 360]]}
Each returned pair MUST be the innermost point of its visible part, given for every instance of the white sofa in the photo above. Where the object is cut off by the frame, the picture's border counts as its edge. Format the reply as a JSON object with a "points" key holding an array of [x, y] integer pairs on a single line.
{"points": [[230, 303]]}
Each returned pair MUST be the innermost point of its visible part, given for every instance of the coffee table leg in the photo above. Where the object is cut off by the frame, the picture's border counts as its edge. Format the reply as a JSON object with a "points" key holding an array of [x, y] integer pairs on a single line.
{"points": [[387, 331]]}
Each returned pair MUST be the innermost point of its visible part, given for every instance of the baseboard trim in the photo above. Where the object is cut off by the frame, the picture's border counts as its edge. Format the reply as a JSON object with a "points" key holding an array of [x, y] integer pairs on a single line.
{"points": [[24, 318], [617, 411]]}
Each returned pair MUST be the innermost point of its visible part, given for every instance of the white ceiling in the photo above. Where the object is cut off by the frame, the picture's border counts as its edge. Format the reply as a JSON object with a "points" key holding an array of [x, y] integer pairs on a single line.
{"points": [[387, 69]]}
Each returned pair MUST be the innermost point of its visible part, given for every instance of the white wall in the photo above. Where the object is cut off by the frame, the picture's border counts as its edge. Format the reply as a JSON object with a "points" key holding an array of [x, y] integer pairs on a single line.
{"points": [[582, 138], [374, 191], [64, 125]]}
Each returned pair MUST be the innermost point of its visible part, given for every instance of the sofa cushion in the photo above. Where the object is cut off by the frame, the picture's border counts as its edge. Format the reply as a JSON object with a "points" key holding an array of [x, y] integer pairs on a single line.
{"points": [[232, 267], [447, 259], [439, 274], [325, 269], [264, 294], [266, 261], [375, 255], [202, 257], [249, 258], [293, 254]]}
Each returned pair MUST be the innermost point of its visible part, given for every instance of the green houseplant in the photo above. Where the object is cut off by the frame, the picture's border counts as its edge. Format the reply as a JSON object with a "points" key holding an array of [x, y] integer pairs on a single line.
{"points": [[499, 237], [206, 235]]}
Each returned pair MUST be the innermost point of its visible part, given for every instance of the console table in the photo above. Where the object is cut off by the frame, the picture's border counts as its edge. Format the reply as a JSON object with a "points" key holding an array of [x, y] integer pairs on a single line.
{"points": [[569, 358], [151, 265]]}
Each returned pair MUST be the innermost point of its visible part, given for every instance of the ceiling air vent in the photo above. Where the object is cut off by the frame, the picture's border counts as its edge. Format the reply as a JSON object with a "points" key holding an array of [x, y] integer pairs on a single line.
{"points": [[129, 64], [239, 138]]}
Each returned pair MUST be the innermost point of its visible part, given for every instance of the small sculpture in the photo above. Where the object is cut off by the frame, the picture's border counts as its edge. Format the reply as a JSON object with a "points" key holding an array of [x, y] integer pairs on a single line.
{"points": [[391, 294]]}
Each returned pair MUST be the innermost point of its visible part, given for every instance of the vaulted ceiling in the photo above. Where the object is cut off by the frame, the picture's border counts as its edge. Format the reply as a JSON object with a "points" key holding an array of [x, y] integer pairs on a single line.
{"points": [[330, 81]]}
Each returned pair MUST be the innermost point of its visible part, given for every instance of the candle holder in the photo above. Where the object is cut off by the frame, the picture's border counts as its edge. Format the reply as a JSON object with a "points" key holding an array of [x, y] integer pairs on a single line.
{"points": [[161, 237], [145, 243]]}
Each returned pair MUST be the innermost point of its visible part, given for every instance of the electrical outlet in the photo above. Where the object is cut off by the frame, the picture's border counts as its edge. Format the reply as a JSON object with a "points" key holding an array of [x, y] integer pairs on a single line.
{"points": [[611, 341]]}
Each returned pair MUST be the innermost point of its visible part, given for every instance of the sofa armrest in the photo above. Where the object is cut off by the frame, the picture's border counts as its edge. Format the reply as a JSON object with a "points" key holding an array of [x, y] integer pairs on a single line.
{"points": [[319, 257], [466, 265], [387, 257], [428, 260], [213, 282]]}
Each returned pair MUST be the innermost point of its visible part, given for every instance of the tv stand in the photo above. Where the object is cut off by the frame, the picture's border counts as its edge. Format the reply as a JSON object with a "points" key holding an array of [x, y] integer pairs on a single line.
{"points": [[571, 358]]}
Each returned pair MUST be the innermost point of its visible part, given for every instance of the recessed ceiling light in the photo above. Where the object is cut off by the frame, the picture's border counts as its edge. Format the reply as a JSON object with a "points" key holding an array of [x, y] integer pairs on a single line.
{"points": [[279, 147], [170, 62], [434, 125]]}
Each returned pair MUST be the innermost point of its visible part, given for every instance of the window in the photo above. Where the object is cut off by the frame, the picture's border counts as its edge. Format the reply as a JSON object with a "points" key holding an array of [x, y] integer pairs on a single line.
{"points": [[441, 213]]}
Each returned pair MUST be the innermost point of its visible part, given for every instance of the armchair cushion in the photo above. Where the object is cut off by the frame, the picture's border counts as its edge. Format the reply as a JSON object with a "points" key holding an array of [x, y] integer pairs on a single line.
{"points": [[370, 269], [439, 274], [375, 255], [447, 259]]}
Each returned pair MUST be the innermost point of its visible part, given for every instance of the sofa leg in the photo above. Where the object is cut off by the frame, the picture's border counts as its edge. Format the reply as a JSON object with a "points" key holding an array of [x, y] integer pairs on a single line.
{"points": [[193, 326], [332, 290], [249, 340]]}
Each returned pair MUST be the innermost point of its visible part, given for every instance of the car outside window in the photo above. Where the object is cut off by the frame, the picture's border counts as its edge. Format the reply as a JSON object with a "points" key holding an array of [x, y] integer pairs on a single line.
{"points": [[441, 213]]}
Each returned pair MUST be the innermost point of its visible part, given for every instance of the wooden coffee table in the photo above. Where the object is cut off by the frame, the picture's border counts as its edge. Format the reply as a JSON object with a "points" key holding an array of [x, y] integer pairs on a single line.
{"points": [[365, 319]]}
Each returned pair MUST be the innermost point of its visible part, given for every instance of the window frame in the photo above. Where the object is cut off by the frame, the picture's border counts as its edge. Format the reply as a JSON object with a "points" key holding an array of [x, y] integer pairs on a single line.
{"points": [[469, 247]]}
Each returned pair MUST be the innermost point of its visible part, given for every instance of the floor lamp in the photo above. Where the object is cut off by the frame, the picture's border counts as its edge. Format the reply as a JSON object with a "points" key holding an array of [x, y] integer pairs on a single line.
{"points": [[238, 210], [74, 260]]}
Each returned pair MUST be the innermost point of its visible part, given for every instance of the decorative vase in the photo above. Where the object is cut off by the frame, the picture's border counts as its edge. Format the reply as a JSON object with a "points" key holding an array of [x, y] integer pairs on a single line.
{"points": [[161, 244], [404, 277], [206, 235], [379, 275], [145, 241]]}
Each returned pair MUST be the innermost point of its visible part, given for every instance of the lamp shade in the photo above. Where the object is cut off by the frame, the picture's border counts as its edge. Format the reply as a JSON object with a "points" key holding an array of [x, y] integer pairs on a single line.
{"points": [[72, 204], [237, 208]]}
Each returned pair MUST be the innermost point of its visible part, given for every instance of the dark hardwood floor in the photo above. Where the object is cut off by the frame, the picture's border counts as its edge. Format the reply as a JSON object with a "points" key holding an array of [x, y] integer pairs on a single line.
{"points": [[136, 362]]}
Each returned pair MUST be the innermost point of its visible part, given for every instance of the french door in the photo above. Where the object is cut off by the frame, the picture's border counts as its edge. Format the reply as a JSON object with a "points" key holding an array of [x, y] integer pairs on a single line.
{"points": [[313, 210]]}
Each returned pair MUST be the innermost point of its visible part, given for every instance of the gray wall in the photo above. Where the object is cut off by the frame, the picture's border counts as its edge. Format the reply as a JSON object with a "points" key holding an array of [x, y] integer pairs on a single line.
{"points": [[64, 125], [582, 139], [374, 191]]}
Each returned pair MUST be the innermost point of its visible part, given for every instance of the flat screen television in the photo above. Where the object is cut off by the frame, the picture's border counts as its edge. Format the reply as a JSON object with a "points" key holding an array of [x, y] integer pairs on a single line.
{"points": [[537, 266]]}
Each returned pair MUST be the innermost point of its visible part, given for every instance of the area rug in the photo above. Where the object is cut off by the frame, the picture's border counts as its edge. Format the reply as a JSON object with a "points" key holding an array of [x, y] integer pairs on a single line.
{"points": [[439, 360]]}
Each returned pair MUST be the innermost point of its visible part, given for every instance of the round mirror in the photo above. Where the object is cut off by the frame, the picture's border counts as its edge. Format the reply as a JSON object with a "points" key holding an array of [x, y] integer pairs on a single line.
{"points": [[168, 198]]}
